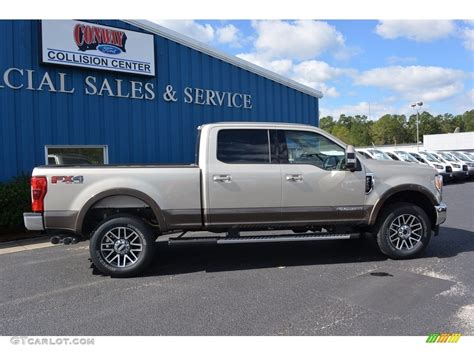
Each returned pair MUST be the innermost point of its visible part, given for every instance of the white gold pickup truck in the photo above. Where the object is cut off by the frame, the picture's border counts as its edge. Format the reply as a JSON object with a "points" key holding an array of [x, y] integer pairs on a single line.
{"points": [[247, 177]]}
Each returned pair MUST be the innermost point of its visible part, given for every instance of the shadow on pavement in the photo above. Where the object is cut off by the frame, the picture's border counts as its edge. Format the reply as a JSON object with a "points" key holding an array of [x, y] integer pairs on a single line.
{"points": [[192, 258]]}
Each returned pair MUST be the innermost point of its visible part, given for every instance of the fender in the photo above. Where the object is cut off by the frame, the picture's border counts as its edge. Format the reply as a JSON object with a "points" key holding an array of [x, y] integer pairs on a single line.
{"points": [[120, 191], [396, 189]]}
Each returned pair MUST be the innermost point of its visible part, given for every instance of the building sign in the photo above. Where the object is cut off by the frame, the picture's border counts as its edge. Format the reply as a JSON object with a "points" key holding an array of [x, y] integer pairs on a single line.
{"points": [[62, 83], [88, 45]]}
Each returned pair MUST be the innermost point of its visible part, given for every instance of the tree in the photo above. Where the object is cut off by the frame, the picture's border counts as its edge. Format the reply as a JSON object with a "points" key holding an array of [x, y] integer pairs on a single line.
{"points": [[389, 129], [327, 123]]}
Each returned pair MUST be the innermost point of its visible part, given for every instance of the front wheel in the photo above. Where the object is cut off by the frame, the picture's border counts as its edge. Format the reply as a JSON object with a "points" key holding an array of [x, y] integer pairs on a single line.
{"points": [[403, 231], [122, 246]]}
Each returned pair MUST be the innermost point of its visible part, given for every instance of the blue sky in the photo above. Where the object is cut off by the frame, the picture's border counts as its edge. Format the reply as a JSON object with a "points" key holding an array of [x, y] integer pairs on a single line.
{"points": [[361, 66]]}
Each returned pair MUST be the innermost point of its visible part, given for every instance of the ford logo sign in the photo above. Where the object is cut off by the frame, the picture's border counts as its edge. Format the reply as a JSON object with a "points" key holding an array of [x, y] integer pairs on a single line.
{"points": [[108, 49]]}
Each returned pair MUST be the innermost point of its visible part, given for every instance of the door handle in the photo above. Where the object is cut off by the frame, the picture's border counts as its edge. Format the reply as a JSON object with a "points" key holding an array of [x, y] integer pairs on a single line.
{"points": [[222, 178], [294, 177]]}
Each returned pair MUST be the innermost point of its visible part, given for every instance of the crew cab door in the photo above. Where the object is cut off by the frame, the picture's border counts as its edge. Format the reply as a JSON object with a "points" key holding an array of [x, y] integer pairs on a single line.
{"points": [[315, 185], [243, 187]]}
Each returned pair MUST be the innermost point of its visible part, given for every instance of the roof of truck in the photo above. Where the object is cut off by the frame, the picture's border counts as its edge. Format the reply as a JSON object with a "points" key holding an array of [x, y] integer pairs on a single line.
{"points": [[257, 124]]}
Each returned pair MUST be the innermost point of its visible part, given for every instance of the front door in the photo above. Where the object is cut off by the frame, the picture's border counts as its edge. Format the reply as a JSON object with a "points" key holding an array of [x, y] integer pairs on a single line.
{"points": [[243, 184], [315, 185]]}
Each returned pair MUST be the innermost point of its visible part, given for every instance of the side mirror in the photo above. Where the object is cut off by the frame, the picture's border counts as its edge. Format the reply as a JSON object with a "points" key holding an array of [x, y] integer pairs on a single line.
{"points": [[351, 161]]}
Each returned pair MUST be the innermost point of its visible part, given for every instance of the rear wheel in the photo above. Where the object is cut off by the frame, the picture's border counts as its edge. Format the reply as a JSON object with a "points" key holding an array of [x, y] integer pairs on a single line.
{"points": [[122, 246], [403, 231]]}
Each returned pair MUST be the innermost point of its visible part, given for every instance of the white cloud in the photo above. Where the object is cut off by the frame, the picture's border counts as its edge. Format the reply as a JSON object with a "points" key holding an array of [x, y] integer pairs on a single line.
{"points": [[392, 60], [416, 30], [314, 70], [311, 73], [468, 38], [201, 32], [228, 34], [372, 110], [304, 39], [279, 66], [415, 82]]}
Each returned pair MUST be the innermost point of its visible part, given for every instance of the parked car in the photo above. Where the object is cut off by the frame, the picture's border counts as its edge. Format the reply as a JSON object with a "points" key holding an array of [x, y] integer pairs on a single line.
{"points": [[444, 169], [460, 172], [402, 156], [374, 154], [467, 164], [465, 160], [248, 176]]}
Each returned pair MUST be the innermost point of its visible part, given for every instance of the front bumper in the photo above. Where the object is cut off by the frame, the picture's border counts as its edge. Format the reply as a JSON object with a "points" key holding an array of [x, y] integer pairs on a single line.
{"points": [[459, 174], [441, 213], [33, 221]]}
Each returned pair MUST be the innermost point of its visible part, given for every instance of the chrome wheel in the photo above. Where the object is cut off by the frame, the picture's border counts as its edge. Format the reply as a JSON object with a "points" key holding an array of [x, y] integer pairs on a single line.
{"points": [[121, 247], [405, 232]]}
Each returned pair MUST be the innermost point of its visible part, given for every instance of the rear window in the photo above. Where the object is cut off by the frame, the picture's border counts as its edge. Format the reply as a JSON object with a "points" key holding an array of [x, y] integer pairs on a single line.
{"points": [[245, 146]]}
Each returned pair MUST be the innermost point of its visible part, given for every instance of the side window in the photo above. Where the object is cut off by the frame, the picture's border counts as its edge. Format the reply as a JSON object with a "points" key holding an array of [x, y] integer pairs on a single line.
{"points": [[243, 146], [304, 147], [365, 155], [393, 156]]}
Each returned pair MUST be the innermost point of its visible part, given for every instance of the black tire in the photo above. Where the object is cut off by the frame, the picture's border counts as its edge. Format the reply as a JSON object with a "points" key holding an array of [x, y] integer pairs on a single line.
{"points": [[396, 245], [122, 258]]}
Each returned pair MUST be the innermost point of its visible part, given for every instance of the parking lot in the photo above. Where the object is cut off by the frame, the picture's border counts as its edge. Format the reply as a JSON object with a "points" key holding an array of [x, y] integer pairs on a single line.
{"points": [[319, 288]]}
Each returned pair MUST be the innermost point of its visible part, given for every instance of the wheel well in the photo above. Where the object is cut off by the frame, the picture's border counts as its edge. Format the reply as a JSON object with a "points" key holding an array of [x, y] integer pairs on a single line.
{"points": [[415, 197], [117, 205]]}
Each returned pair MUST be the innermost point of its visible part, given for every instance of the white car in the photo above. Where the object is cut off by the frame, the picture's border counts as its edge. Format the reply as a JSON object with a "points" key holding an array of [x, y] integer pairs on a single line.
{"points": [[445, 170], [374, 154], [459, 171], [465, 160], [402, 156]]}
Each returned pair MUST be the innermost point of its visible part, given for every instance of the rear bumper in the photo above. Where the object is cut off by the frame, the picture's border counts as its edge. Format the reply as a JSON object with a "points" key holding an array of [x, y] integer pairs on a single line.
{"points": [[33, 221], [441, 213]]}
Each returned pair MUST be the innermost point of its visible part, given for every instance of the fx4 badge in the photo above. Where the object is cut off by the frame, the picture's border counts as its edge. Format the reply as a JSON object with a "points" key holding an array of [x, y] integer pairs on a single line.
{"points": [[67, 179]]}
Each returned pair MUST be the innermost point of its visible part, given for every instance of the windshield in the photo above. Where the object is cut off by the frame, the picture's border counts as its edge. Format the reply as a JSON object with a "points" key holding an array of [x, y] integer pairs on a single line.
{"points": [[469, 155], [431, 158], [379, 155], [418, 157], [447, 156], [406, 157], [461, 156]]}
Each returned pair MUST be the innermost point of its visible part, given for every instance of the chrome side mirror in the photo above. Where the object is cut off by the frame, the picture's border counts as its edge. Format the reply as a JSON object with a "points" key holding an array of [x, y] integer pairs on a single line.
{"points": [[351, 160]]}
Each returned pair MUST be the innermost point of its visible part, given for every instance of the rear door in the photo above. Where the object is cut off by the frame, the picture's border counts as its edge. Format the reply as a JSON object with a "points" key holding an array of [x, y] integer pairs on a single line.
{"points": [[315, 185], [243, 184]]}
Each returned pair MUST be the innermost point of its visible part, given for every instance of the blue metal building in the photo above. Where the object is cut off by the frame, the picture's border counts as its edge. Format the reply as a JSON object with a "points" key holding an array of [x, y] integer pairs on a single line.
{"points": [[147, 126]]}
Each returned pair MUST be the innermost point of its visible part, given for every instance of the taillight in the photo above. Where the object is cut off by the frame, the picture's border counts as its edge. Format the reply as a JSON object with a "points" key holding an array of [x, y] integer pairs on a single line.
{"points": [[39, 187]]}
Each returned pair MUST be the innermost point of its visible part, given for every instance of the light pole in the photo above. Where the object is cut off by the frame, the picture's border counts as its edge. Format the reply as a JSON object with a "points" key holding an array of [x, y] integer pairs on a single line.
{"points": [[419, 104]]}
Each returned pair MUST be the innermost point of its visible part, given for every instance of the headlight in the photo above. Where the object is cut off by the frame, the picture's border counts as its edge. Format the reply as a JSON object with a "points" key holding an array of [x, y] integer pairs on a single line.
{"points": [[438, 181], [440, 167], [457, 166], [471, 165]]}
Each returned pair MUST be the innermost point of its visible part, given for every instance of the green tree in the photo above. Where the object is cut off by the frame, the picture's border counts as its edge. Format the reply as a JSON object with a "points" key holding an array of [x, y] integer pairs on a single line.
{"points": [[327, 123], [468, 121], [389, 129]]}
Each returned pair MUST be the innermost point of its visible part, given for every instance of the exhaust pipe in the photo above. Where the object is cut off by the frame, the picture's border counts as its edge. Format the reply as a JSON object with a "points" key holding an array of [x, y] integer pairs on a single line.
{"points": [[66, 240]]}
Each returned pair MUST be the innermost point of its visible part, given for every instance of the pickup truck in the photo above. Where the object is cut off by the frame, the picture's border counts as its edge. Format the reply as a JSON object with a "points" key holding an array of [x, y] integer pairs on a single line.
{"points": [[294, 179]]}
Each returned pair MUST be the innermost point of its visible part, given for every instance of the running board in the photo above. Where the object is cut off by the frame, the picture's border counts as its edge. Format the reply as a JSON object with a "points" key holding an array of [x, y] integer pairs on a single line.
{"points": [[262, 238]]}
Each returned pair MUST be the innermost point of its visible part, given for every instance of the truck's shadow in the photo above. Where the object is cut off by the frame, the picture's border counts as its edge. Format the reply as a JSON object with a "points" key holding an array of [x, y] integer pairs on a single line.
{"points": [[189, 259]]}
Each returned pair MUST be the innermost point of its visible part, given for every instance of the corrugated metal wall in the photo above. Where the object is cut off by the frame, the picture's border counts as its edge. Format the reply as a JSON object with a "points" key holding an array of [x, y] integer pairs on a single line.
{"points": [[136, 131]]}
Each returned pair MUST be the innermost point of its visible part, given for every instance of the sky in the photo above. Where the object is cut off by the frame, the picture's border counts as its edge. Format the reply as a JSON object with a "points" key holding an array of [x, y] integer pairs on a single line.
{"points": [[362, 67]]}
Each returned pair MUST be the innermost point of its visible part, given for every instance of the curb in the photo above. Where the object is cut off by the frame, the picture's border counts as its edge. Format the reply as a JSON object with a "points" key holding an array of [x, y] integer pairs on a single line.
{"points": [[24, 245]]}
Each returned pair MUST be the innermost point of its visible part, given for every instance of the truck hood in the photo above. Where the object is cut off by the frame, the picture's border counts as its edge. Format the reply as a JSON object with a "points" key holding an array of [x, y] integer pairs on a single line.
{"points": [[389, 167]]}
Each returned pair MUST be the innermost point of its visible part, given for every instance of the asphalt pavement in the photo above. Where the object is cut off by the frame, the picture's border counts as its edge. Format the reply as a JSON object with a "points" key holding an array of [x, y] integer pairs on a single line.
{"points": [[317, 288]]}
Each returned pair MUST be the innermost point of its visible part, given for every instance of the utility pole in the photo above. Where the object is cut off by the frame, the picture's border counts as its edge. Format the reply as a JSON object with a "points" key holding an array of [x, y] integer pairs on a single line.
{"points": [[417, 105]]}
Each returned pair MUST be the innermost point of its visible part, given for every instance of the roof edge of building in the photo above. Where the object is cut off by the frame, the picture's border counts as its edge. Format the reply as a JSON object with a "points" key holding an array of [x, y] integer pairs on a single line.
{"points": [[241, 63]]}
